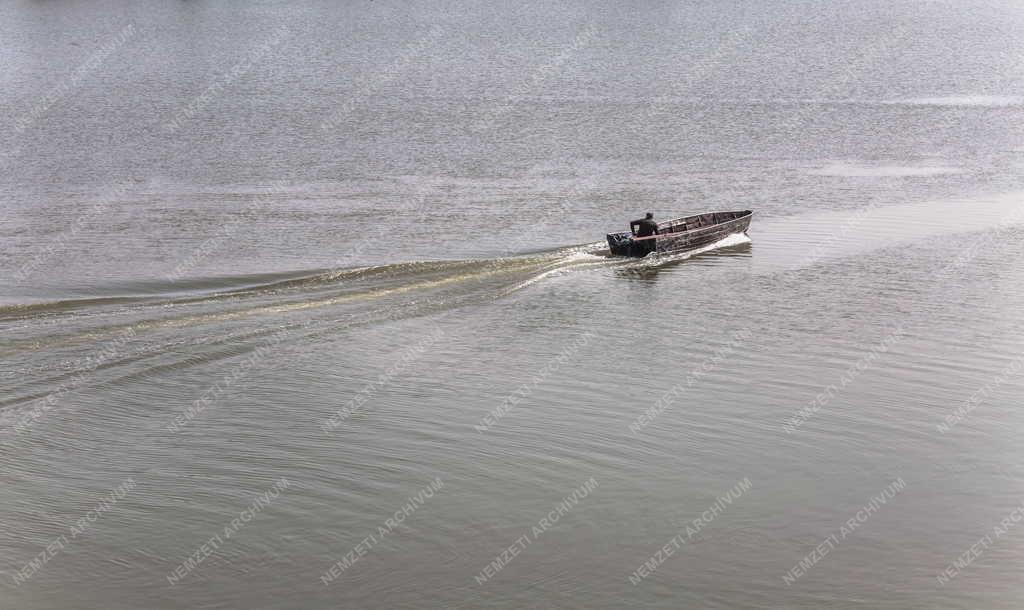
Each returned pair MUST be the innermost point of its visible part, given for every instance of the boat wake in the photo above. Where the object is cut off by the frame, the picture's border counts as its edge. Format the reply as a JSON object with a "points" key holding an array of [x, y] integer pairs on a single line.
{"points": [[656, 261], [252, 306], [280, 292], [736, 239], [107, 339]]}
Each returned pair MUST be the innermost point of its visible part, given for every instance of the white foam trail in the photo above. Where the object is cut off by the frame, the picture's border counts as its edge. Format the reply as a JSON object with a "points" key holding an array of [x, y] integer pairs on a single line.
{"points": [[589, 249], [574, 260], [654, 259], [584, 256]]}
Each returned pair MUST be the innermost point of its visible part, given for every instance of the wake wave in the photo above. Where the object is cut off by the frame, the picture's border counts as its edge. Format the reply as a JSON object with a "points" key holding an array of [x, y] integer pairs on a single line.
{"points": [[328, 286], [108, 340]]}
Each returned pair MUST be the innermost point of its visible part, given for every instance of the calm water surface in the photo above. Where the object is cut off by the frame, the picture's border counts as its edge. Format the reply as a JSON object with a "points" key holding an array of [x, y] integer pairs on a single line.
{"points": [[307, 305]]}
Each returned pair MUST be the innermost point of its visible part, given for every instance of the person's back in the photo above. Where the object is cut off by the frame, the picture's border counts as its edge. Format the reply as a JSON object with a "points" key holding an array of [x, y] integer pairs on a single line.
{"points": [[644, 227]]}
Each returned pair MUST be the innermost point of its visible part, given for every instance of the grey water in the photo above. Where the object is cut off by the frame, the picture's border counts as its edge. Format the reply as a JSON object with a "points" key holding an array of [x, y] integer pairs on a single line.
{"points": [[307, 305]]}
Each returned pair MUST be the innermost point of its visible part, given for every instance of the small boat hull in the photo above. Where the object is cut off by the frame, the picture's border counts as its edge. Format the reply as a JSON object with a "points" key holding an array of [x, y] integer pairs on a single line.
{"points": [[682, 234]]}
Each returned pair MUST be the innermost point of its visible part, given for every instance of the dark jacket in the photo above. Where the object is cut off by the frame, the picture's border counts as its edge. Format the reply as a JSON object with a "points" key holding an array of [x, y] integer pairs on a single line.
{"points": [[644, 227]]}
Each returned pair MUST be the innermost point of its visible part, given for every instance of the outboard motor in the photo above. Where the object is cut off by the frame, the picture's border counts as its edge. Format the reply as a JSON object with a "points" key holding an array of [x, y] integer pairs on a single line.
{"points": [[623, 244], [620, 244]]}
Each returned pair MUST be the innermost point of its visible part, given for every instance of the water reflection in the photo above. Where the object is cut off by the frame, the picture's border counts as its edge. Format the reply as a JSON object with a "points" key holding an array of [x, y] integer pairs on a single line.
{"points": [[650, 268]]}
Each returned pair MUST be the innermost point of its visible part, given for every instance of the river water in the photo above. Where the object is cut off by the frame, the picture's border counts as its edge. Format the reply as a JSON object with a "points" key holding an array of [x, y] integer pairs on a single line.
{"points": [[308, 305]]}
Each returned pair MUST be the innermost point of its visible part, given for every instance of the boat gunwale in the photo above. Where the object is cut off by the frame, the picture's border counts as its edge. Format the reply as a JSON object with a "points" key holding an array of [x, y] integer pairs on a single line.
{"points": [[749, 213]]}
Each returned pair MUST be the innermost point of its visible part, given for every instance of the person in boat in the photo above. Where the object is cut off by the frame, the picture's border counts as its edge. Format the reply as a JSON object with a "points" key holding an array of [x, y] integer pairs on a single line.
{"points": [[645, 226]]}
